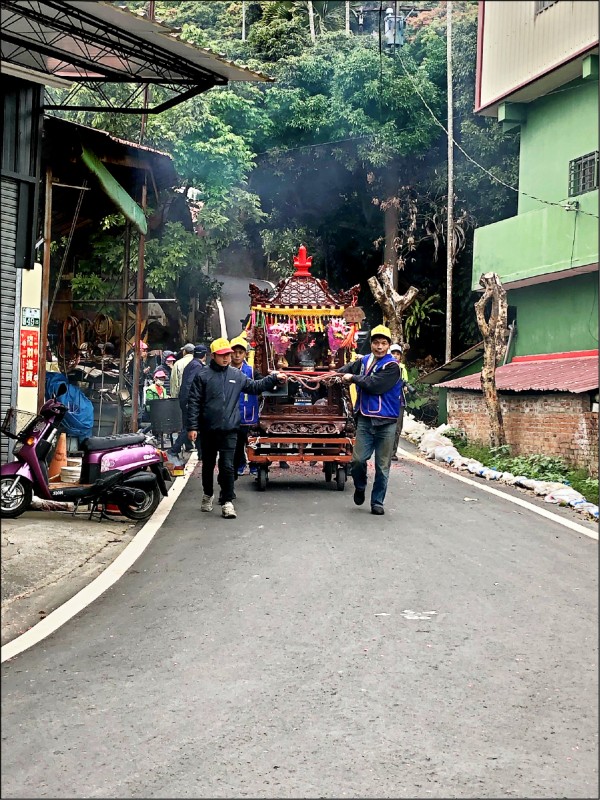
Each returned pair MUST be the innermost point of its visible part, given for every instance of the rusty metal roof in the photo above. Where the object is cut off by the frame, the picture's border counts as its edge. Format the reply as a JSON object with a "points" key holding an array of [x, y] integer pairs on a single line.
{"points": [[556, 372]]}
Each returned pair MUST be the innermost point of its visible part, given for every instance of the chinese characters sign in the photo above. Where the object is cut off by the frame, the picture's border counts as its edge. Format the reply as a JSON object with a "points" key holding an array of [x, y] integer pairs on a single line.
{"points": [[29, 360]]}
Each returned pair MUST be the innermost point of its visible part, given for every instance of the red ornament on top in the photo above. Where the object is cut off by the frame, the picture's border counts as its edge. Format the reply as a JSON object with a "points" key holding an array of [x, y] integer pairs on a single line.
{"points": [[302, 263]]}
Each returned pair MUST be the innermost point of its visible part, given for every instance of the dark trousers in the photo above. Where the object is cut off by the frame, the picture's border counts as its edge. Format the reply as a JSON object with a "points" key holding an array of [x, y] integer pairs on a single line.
{"points": [[398, 429], [221, 444], [182, 439], [239, 459]]}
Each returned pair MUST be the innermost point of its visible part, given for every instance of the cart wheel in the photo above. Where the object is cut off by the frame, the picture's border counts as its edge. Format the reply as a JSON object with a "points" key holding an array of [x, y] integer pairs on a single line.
{"points": [[262, 478], [328, 470], [340, 479]]}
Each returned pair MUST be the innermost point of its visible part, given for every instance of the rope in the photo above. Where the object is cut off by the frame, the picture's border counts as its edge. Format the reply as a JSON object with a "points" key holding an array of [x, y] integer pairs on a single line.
{"points": [[312, 383]]}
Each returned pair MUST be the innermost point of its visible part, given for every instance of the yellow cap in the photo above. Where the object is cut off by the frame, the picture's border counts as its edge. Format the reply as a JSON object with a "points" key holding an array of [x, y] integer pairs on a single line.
{"points": [[239, 341], [381, 330], [220, 347]]}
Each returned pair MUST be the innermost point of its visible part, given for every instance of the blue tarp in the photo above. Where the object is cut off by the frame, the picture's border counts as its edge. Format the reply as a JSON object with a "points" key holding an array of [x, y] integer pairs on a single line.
{"points": [[79, 419]]}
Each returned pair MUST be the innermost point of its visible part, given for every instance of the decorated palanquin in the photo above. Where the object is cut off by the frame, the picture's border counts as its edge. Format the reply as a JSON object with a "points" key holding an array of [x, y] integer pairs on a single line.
{"points": [[307, 331]]}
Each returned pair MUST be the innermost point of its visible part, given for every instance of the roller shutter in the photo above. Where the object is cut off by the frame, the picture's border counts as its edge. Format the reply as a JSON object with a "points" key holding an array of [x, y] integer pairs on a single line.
{"points": [[9, 302]]}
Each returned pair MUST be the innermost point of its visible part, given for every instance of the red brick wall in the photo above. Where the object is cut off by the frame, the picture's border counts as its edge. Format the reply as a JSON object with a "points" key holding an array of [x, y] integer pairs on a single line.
{"points": [[552, 424]]}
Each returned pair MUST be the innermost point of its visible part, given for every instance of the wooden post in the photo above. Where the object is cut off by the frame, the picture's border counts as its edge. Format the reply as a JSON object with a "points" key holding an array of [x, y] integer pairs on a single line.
{"points": [[45, 288], [139, 310]]}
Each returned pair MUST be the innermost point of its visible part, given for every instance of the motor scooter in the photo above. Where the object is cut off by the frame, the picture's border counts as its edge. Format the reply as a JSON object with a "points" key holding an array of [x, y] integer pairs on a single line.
{"points": [[121, 471]]}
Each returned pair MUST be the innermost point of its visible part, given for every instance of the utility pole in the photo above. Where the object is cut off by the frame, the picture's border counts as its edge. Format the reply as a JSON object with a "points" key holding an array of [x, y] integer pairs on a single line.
{"points": [[450, 220], [311, 21], [243, 20], [347, 17], [140, 309]]}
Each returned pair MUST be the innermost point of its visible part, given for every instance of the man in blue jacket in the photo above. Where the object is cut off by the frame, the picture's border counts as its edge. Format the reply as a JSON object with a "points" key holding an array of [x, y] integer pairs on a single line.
{"points": [[378, 388], [249, 404], [213, 413]]}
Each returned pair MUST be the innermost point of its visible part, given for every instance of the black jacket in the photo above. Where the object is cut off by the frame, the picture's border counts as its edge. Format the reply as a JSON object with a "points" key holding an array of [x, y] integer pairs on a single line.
{"points": [[213, 401], [188, 375]]}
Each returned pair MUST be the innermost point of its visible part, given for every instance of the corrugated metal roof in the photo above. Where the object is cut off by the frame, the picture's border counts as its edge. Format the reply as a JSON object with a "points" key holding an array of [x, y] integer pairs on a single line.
{"points": [[562, 374], [454, 365]]}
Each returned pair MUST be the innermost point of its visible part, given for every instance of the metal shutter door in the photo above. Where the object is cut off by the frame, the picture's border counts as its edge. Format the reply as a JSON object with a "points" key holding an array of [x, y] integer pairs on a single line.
{"points": [[8, 302]]}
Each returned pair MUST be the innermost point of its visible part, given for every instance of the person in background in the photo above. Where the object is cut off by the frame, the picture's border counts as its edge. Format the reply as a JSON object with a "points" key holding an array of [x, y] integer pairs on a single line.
{"points": [[249, 405], [378, 388], [187, 354], [398, 353], [144, 371], [177, 370], [197, 363], [168, 359], [213, 414], [156, 390]]}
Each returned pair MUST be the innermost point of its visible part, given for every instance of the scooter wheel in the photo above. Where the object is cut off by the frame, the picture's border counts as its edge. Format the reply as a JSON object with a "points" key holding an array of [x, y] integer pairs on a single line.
{"points": [[144, 509], [15, 498]]}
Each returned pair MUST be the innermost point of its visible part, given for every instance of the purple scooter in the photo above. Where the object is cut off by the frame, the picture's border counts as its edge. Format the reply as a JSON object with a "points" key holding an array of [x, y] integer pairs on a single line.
{"points": [[121, 470]]}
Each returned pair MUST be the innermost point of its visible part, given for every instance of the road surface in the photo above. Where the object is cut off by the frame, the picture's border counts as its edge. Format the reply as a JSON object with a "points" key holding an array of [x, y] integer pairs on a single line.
{"points": [[310, 649], [235, 301]]}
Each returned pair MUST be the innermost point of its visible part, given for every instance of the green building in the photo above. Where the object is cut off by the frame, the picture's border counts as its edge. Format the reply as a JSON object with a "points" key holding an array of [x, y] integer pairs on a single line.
{"points": [[537, 69]]}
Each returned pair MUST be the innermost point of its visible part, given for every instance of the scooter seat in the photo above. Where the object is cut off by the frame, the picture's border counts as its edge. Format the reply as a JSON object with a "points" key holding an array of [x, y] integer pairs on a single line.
{"points": [[95, 443]]}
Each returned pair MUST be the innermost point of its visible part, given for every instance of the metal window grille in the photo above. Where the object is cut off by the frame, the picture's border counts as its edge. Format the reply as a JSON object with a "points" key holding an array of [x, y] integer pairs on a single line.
{"points": [[542, 5], [583, 174]]}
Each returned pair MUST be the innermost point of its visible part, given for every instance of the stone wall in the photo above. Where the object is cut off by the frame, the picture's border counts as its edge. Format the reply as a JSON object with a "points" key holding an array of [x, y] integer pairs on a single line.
{"points": [[551, 423]]}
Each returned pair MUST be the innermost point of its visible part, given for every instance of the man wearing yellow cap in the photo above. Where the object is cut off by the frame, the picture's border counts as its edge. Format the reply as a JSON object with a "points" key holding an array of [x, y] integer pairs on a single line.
{"points": [[378, 387], [213, 412], [249, 404]]}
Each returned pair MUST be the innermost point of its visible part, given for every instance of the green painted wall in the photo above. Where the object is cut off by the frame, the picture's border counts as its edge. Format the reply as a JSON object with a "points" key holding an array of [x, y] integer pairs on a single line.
{"points": [[556, 317], [560, 127], [550, 239]]}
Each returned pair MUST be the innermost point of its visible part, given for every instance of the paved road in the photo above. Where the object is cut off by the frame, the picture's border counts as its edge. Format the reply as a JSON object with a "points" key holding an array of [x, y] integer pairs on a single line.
{"points": [[236, 300], [310, 649]]}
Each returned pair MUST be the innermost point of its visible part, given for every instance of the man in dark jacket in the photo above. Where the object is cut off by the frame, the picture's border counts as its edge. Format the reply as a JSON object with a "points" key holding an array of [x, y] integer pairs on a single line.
{"points": [[213, 412]]}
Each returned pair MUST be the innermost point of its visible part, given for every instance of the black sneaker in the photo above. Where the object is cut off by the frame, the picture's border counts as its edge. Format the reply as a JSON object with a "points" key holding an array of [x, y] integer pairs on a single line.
{"points": [[359, 497], [377, 510]]}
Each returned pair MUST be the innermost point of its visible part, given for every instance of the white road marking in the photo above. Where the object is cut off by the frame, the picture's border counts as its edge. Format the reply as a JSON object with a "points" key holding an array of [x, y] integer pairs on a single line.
{"points": [[108, 577], [567, 523]]}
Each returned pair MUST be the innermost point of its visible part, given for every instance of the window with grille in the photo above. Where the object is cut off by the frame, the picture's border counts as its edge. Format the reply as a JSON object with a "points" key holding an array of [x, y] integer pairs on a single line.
{"points": [[583, 174], [542, 5]]}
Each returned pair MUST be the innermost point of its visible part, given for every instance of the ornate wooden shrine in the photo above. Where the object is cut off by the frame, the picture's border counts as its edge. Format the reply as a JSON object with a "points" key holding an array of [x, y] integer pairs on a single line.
{"points": [[306, 330]]}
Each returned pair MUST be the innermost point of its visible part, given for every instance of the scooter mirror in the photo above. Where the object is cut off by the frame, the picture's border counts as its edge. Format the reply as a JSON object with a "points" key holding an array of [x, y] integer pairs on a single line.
{"points": [[124, 395]]}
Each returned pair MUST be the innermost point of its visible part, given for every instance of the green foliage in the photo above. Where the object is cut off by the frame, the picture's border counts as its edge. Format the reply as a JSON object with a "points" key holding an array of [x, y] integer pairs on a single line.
{"points": [[281, 245], [175, 259], [419, 313]]}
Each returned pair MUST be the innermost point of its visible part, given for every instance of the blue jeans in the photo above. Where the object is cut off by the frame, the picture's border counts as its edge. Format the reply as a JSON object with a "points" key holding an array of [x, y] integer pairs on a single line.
{"points": [[369, 438]]}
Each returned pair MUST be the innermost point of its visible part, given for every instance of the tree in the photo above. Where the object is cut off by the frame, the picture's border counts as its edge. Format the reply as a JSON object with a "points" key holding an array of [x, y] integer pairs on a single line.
{"points": [[391, 303], [492, 323]]}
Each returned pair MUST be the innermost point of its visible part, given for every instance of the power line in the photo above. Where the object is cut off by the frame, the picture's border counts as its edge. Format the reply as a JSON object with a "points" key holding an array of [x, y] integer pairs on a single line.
{"points": [[278, 150], [476, 163]]}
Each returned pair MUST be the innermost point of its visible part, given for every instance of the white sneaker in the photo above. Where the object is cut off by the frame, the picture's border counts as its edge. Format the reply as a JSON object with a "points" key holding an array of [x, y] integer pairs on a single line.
{"points": [[207, 503], [228, 511]]}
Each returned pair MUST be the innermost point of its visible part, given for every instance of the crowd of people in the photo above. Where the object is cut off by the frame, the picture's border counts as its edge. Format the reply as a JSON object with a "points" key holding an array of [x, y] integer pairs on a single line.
{"points": [[218, 397]]}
